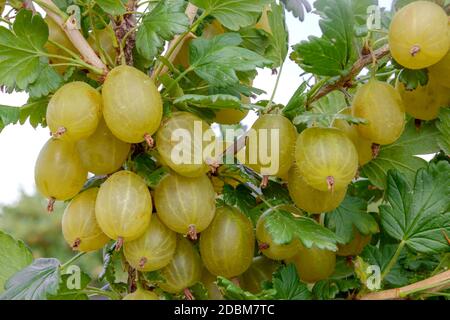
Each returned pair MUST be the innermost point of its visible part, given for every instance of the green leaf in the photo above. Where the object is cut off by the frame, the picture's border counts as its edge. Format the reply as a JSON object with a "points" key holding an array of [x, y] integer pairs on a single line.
{"points": [[14, 256], [217, 101], [352, 213], [36, 282], [199, 291], [328, 289], [22, 50], [242, 198], [35, 111], [231, 291], [146, 167], [8, 115], [311, 118], [233, 14], [297, 103], [298, 7], [419, 216], [255, 40], [401, 154], [333, 53], [443, 125], [284, 228], [113, 7], [66, 293], [413, 78], [288, 286], [381, 256], [48, 81], [279, 39], [162, 23], [108, 273], [217, 60]]}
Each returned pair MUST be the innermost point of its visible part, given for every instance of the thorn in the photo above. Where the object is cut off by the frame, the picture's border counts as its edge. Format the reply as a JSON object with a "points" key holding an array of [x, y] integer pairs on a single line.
{"points": [[142, 262], [264, 182], [330, 183], [375, 150], [188, 294], [58, 133], [51, 203], [415, 49], [76, 244], [192, 233], [148, 138], [119, 244]]}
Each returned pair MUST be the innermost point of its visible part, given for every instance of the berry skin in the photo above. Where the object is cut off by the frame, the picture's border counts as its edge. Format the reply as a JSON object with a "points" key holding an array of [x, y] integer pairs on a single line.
{"points": [[314, 264], [309, 199], [260, 270], [141, 294], [184, 270], [124, 206], [425, 102], [58, 171], [132, 105], [79, 225], [355, 246], [327, 158], [418, 35], [227, 245], [259, 145], [102, 153], [74, 111], [154, 249], [181, 131], [185, 205], [441, 70], [382, 106]]}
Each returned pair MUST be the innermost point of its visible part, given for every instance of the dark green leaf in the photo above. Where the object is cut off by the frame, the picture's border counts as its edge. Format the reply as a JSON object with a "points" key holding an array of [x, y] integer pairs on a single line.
{"points": [[146, 167], [231, 291], [443, 125], [110, 258], [288, 286], [14, 256], [351, 214], [233, 14], [413, 78], [242, 198], [162, 23], [401, 154], [255, 40], [35, 282], [419, 216], [333, 53], [199, 291], [35, 111], [8, 115], [22, 50], [70, 289], [328, 289], [217, 101], [48, 81], [279, 39], [217, 60], [284, 228], [113, 7], [296, 104]]}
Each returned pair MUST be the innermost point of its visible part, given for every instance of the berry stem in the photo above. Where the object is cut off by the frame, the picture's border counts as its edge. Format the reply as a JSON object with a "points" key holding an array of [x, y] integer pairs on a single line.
{"points": [[119, 243], [264, 182], [50, 205], [188, 294], [330, 183], [192, 232]]}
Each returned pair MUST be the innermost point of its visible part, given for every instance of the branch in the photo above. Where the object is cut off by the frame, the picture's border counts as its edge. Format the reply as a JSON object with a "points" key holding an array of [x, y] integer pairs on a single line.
{"points": [[74, 35], [344, 81], [435, 283], [125, 30]]}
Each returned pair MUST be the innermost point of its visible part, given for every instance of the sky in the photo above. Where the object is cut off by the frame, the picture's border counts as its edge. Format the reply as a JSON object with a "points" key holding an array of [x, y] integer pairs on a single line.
{"points": [[20, 145]]}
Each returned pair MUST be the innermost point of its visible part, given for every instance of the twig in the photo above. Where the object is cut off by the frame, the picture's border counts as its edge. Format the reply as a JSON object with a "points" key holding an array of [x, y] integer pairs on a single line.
{"points": [[74, 35], [356, 69], [125, 30], [433, 284]]}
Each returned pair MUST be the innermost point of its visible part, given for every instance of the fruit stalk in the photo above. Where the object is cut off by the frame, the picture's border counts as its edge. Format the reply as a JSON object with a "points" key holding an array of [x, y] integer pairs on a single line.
{"points": [[73, 34], [355, 70]]}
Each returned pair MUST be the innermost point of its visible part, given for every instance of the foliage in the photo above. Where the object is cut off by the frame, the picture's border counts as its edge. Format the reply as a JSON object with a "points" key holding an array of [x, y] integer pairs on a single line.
{"points": [[202, 56]]}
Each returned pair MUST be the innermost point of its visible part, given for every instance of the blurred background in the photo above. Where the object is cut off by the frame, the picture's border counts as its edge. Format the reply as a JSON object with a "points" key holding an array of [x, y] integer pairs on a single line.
{"points": [[23, 212]]}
